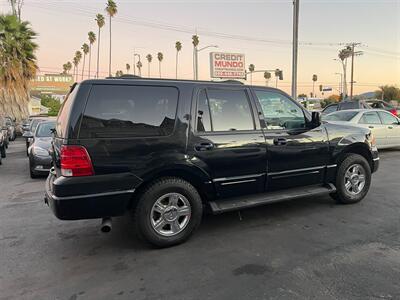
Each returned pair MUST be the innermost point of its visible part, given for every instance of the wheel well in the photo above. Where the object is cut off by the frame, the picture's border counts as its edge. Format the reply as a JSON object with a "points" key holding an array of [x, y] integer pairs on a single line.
{"points": [[359, 149], [196, 181]]}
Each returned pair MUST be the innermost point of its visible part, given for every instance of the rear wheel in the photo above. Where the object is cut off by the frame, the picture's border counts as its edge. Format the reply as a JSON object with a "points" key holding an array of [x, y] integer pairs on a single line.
{"points": [[3, 151], [168, 212], [353, 179]]}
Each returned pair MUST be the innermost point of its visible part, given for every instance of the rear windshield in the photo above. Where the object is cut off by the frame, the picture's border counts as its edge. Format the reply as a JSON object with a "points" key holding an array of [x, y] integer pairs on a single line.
{"points": [[341, 116], [129, 111], [35, 123], [349, 105], [62, 119], [45, 129]]}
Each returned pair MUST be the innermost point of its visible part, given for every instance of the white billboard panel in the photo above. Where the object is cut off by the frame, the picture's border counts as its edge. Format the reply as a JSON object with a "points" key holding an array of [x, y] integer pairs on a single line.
{"points": [[227, 65]]}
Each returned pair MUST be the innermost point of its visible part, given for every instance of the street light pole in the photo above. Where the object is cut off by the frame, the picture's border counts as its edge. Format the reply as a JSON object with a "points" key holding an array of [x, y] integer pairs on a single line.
{"points": [[296, 4], [196, 59]]}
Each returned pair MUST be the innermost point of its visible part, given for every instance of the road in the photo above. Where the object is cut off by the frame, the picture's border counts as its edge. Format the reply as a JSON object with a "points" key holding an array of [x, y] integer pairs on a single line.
{"points": [[303, 249]]}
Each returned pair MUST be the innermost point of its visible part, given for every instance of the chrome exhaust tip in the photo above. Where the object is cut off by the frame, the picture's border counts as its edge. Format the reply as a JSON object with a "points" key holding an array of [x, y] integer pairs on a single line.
{"points": [[106, 225]]}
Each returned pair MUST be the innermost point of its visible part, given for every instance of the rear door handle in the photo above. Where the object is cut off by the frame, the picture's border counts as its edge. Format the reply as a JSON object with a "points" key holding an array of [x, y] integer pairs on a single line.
{"points": [[371, 127], [204, 146], [280, 141]]}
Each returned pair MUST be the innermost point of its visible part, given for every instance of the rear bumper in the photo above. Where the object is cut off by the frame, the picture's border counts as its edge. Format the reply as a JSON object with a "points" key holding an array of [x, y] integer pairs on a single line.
{"points": [[80, 204]]}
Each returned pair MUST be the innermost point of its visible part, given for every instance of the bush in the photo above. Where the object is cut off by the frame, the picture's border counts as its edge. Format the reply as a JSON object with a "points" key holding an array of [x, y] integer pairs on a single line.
{"points": [[52, 103]]}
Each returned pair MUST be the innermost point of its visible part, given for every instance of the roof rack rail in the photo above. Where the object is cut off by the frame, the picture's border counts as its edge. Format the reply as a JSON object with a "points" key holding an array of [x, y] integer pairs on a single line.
{"points": [[126, 76], [230, 81]]}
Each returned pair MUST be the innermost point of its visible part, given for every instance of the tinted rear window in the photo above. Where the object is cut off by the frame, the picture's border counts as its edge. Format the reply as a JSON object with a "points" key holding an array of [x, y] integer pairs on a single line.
{"points": [[129, 111], [62, 119], [349, 105], [45, 129], [341, 116]]}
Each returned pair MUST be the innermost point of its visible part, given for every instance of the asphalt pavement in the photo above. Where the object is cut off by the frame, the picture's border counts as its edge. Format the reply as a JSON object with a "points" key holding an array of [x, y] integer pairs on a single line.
{"points": [[302, 249]]}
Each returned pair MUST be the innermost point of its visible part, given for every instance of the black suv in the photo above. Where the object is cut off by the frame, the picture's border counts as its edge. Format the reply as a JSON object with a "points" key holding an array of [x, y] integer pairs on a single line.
{"points": [[167, 150]]}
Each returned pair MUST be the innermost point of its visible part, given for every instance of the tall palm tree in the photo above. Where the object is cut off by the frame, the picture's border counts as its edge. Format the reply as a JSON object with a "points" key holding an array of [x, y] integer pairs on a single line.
{"points": [[85, 50], [17, 65], [92, 40], [139, 65], [343, 55], [111, 10], [69, 67], [160, 58], [77, 60], [178, 47], [100, 23], [195, 42], [149, 58], [65, 68], [119, 73], [128, 67], [251, 69]]}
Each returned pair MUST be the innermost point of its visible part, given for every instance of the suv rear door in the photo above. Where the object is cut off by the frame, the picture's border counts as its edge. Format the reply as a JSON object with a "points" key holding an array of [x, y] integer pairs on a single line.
{"points": [[297, 154], [226, 141]]}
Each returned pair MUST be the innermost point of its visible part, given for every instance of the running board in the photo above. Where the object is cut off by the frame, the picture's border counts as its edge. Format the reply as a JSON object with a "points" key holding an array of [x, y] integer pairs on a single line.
{"points": [[236, 203]]}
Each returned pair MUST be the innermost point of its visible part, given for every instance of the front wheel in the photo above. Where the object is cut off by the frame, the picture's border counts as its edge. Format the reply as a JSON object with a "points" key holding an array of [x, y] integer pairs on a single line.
{"points": [[353, 179], [168, 212]]}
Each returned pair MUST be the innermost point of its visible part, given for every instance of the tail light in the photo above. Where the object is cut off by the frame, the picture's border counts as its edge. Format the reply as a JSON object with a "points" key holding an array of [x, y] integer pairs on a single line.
{"points": [[394, 112], [75, 161]]}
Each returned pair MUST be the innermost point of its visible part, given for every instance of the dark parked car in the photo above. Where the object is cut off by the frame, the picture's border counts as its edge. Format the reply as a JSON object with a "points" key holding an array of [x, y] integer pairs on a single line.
{"points": [[39, 156], [12, 132], [167, 150], [3, 137], [345, 105], [380, 104], [30, 132]]}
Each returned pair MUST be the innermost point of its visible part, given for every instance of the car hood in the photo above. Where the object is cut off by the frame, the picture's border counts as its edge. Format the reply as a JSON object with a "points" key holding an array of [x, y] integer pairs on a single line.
{"points": [[43, 142]]}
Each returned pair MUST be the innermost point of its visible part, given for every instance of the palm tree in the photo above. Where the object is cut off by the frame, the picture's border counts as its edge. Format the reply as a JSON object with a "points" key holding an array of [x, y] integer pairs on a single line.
{"points": [[119, 73], [160, 57], [111, 10], [195, 42], [92, 39], [76, 61], [139, 65], [343, 55], [65, 68], [251, 69], [17, 65], [267, 76], [178, 47], [128, 67], [149, 59], [85, 49], [100, 23], [69, 67]]}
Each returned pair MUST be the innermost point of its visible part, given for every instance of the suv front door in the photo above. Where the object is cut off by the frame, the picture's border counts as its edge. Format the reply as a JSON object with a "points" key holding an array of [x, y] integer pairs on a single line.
{"points": [[297, 155], [226, 141]]}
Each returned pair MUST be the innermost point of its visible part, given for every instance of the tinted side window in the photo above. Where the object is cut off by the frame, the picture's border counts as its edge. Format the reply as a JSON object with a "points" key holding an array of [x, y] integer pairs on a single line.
{"points": [[62, 119], [203, 113], [330, 108], [370, 118], [129, 111], [280, 112], [388, 119], [230, 110]]}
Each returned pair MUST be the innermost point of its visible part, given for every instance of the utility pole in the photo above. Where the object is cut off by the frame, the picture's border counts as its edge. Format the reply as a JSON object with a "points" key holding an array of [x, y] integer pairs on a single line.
{"points": [[296, 4], [353, 53]]}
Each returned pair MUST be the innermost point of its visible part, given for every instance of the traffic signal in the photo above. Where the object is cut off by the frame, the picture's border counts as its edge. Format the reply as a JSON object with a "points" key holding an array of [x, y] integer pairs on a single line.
{"points": [[314, 77], [279, 74], [320, 87]]}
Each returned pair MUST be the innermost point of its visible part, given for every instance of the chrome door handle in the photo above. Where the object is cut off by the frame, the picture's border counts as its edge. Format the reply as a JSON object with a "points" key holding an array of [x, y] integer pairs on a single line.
{"points": [[204, 146], [280, 141]]}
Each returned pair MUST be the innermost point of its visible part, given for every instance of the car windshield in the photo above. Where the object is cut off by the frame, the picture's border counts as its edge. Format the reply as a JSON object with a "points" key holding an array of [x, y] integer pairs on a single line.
{"points": [[341, 116], [45, 129]]}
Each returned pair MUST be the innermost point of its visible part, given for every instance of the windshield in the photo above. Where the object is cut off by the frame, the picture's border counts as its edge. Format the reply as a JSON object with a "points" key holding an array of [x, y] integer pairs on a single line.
{"points": [[35, 123], [340, 116], [44, 129]]}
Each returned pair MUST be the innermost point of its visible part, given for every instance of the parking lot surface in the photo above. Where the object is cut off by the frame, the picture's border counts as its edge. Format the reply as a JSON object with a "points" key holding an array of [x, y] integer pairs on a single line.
{"points": [[302, 249]]}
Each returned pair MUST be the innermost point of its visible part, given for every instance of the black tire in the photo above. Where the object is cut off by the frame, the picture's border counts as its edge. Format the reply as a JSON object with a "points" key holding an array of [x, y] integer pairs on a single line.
{"points": [[3, 151], [1, 162], [156, 190], [342, 195], [33, 174]]}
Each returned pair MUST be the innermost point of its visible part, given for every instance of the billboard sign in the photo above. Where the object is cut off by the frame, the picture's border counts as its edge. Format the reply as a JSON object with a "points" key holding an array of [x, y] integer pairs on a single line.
{"points": [[227, 65]]}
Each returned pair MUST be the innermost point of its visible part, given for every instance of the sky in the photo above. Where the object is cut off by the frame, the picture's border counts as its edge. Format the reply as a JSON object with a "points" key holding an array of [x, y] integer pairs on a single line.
{"points": [[262, 30]]}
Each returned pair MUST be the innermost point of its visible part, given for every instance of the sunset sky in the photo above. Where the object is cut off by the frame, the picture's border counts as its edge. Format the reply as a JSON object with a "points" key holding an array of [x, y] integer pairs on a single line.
{"points": [[262, 30]]}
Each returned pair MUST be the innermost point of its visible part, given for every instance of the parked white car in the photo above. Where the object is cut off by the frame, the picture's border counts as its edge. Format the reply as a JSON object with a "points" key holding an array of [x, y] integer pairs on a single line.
{"points": [[384, 125]]}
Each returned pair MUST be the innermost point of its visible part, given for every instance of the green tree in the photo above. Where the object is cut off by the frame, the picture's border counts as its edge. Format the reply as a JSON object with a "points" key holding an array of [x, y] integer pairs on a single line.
{"points": [[178, 47], [76, 61], [139, 65], [251, 70], [52, 103], [17, 65], [149, 58], [388, 93], [100, 23], [302, 95], [92, 40], [160, 58], [111, 10]]}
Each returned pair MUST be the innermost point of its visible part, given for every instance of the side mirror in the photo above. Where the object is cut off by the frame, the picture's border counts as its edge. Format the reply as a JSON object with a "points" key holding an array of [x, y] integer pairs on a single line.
{"points": [[315, 119], [27, 135]]}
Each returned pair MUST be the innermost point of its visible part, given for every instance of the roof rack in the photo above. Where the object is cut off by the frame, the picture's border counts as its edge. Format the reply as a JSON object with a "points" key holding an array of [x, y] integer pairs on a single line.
{"points": [[133, 77], [230, 81], [125, 76]]}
